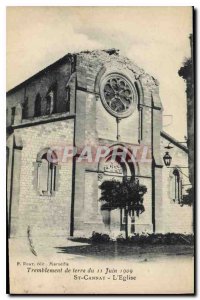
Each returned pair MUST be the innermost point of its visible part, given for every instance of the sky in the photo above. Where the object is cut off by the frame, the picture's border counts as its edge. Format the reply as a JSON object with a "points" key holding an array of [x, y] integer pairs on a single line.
{"points": [[155, 38]]}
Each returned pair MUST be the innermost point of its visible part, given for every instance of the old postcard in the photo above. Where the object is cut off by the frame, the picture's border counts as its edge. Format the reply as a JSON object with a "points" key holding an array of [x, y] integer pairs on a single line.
{"points": [[100, 150]]}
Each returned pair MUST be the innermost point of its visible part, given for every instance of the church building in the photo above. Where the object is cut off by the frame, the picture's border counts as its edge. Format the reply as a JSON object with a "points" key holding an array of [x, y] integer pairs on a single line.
{"points": [[84, 101]]}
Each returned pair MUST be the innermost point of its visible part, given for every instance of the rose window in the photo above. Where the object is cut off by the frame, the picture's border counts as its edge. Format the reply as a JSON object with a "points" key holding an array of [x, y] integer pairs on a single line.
{"points": [[118, 95]]}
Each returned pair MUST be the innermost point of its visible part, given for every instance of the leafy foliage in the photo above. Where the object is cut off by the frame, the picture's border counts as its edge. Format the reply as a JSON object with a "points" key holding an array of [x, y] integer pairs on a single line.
{"points": [[158, 239], [99, 237], [139, 239], [127, 194], [188, 199], [186, 70]]}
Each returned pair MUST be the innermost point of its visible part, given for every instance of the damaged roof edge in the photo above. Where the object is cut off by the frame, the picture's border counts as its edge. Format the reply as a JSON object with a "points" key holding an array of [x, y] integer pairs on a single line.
{"points": [[46, 69], [63, 59], [67, 57]]}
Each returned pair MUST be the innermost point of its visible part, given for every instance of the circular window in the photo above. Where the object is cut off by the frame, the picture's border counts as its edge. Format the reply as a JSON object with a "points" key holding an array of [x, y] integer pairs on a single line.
{"points": [[118, 95]]}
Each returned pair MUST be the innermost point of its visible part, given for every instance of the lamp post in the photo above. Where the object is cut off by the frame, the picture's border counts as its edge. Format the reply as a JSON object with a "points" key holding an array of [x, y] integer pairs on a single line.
{"points": [[167, 158]]}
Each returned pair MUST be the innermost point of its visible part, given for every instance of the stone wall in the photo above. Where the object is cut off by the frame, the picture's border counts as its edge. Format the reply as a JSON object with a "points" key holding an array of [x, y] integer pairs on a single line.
{"points": [[46, 215], [175, 217]]}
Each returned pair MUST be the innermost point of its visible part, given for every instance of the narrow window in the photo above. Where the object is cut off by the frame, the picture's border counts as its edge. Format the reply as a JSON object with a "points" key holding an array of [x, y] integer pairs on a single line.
{"points": [[46, 176], [12, 115], [140, 133], [50, 103], [51, 99], [177, 186], [43, 176], [38, 105], [25, 109]]}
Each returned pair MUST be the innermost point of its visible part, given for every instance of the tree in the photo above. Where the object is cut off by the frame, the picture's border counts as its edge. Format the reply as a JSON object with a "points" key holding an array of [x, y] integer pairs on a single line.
{"points": [[127, 195]]}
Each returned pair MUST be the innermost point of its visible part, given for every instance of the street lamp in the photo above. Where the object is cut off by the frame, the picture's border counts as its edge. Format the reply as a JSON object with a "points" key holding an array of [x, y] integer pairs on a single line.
{"points": [[167, 159]]}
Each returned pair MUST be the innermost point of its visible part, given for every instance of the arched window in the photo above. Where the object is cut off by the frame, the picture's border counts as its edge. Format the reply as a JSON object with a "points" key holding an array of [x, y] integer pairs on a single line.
{"points": [[38, 105], [176, 186], [51, 98], [46, 174], [50, 103]]}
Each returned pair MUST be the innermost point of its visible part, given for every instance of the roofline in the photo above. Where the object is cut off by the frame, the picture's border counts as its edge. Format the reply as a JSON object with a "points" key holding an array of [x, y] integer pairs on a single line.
{"points": [[57, 62], [46, 69], [173, 141]]}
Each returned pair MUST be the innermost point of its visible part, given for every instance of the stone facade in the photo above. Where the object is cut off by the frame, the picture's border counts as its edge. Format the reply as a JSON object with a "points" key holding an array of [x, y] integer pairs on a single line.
{"points": [[42, 212], [175, 217], [62, 105]]}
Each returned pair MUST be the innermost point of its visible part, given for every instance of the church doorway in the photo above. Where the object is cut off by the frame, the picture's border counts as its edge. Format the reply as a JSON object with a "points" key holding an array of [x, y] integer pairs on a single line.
{"points": [[116, 170]]}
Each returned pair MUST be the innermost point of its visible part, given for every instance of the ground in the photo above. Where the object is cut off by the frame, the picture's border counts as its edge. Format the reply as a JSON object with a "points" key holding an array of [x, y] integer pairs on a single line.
{"points": [[132, 269], [73, 249]]}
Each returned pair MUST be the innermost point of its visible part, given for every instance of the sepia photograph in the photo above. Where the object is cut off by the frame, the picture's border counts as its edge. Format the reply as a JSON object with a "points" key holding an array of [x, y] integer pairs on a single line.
{"points": [[100, 156]]}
